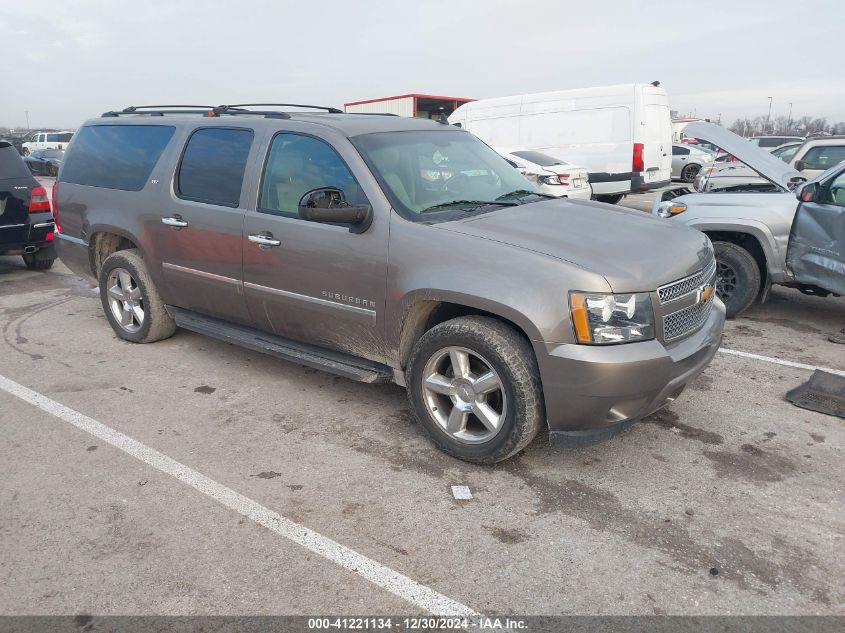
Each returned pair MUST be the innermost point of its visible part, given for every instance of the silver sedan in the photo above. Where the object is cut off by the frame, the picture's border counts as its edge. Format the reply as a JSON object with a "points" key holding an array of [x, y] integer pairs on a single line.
{"points": [[687, 161]]}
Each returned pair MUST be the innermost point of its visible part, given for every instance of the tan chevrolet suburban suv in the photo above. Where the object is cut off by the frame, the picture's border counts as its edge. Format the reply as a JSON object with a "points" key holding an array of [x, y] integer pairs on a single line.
{"points": [[390, 249]]}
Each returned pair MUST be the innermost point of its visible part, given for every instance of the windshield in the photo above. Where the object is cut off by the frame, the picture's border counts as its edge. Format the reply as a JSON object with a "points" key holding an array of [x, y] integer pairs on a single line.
{"points": [[538, 158], [441, 172]]}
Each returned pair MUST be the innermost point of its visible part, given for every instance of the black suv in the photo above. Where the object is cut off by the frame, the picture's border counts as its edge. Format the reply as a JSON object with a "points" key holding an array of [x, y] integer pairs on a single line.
{"points": [[26, 221]]}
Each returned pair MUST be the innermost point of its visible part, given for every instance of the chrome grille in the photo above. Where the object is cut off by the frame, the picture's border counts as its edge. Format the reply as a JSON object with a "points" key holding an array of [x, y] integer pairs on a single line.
{"points": [[684, 286], [686, 321]]}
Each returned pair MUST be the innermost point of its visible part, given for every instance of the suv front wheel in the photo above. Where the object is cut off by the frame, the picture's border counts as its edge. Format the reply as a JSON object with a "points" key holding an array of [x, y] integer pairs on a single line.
{"points": [[474, 385], [131, 301]]}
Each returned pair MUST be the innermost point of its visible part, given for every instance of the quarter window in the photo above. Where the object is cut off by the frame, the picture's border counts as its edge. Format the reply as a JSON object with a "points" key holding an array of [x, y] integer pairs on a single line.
{"points": [[679, 151], [298, 164], [115, 156], [213, 165]]}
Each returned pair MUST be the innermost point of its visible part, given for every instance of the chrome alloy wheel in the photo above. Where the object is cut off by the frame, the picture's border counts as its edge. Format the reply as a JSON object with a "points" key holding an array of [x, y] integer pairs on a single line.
{"points": [[125, 300], [464, 395]]}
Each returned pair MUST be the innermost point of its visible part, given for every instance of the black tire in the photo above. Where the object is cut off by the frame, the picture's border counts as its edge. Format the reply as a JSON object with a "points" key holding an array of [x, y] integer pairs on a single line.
{"points": [[40, 260], [157, 323], [689, 172], [52, 170], [611, 199], [511, 357], [737, 277]]}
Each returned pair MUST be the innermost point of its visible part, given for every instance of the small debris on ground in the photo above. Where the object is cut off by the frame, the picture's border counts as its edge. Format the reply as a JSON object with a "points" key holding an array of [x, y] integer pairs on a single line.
{"points": [[461, 493]]}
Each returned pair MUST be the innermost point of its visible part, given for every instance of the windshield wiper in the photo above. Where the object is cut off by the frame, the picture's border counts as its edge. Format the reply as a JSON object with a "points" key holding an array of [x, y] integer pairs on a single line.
{"points": [[476, 203], [525, 192]]}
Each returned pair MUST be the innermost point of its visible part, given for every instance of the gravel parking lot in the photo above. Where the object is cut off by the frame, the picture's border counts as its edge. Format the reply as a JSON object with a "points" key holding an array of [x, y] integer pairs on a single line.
{"points": [[729, 502]]}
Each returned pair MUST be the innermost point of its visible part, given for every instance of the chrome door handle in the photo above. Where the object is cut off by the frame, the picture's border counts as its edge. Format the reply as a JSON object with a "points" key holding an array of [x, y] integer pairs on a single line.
{"points": [[263, 240], [174, 221]]}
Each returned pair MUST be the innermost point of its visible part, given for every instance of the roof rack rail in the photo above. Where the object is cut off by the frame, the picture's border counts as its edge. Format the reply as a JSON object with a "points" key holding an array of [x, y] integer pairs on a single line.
{"points": [[216, 111], [284, 105]]}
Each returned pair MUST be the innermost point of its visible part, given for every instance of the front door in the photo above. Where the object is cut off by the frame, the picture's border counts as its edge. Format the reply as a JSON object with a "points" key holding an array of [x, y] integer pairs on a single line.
{"points": [[199, 227], [312, 282], [816, 251]]}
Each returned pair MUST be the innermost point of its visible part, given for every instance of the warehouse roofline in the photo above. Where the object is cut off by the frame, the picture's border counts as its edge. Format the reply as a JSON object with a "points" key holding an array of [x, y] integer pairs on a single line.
{"points": [[417, 95]]}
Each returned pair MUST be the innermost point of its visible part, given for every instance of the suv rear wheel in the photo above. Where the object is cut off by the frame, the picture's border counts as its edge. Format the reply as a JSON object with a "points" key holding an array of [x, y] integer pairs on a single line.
{"points": [[131, 301], [737, 277], [474, 385]]}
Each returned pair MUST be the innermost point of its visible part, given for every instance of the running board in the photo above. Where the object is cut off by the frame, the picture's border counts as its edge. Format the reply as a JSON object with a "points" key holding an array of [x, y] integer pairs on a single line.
{"points": [[338, 363]]}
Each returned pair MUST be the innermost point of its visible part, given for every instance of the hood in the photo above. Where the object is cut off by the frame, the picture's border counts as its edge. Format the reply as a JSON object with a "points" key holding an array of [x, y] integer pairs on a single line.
{"points": [[760, 160], [633, 251]]}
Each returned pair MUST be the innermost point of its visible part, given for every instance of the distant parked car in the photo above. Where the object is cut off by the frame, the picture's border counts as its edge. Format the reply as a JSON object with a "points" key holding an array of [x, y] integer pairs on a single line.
{"points": [[687, 161], [26, 220], [786, 151], [45, 162], [552, 175], [819, 154], [46, 140], [767, 142]]}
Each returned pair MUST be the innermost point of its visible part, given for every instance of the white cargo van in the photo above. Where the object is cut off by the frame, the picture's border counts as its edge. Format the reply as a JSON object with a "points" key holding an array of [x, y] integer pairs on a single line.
{"points": [[621, 134]]}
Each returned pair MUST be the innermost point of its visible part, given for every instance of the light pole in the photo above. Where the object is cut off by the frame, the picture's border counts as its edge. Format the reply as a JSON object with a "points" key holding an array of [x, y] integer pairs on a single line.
{"points": [[768, 116], [26, 112], [789, 118]]}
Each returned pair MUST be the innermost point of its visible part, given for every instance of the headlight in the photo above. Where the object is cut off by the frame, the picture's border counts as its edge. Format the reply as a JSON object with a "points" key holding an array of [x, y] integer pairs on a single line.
{"points": [[604, 319], [669, 208]]}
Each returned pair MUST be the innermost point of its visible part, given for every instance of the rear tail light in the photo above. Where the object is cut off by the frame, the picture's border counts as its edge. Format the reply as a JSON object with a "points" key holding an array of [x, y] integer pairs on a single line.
{"points": [[637, 163], [38, 200], [56, 205], [564, 179]]}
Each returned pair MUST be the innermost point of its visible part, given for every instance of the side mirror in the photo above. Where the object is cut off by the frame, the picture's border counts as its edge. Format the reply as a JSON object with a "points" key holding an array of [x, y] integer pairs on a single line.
{"points": [[808, 192], [800, 165], [328, 206]]}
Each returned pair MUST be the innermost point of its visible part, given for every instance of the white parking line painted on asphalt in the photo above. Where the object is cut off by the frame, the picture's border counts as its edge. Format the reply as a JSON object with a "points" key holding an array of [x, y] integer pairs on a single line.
{"points": [[780, 361], [398, 584]]}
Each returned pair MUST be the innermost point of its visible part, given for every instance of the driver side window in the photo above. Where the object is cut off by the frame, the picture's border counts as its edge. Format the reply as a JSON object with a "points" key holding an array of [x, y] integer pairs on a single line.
{"points": [[297, 164], [834, 193]]}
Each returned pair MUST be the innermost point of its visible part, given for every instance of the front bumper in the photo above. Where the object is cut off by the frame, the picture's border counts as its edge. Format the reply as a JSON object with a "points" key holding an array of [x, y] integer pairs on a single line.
{"points": [[592, 392]]}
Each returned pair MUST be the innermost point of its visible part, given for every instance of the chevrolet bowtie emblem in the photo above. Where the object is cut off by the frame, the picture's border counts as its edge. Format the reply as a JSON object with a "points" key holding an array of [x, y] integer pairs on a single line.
{"points": [[704, 293]]}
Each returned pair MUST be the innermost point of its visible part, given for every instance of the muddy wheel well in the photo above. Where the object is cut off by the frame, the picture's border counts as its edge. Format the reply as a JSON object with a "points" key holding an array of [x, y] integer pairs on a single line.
{"points": [[749, 243], [424, 315], [104, 244]]}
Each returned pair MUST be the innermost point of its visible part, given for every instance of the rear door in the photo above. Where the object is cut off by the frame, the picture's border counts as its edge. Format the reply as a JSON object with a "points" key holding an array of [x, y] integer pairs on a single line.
{"points": [[16, 183], [656, 137], [197, 230], [816, 251]]}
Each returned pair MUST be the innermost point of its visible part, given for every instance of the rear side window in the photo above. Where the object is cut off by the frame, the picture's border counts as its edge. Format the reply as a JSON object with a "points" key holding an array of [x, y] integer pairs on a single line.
{"points": [[65, 137], [213, 165], [679, 151], [11, 163], [115, 156]]}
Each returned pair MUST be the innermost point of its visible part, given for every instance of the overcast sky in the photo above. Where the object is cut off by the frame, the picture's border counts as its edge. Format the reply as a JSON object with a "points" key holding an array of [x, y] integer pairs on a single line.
{"points": [[66, 60]]}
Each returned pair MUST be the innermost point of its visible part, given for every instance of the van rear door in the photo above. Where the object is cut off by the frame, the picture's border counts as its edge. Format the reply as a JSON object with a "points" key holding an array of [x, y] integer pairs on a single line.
{"points": [[656, 137]]}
